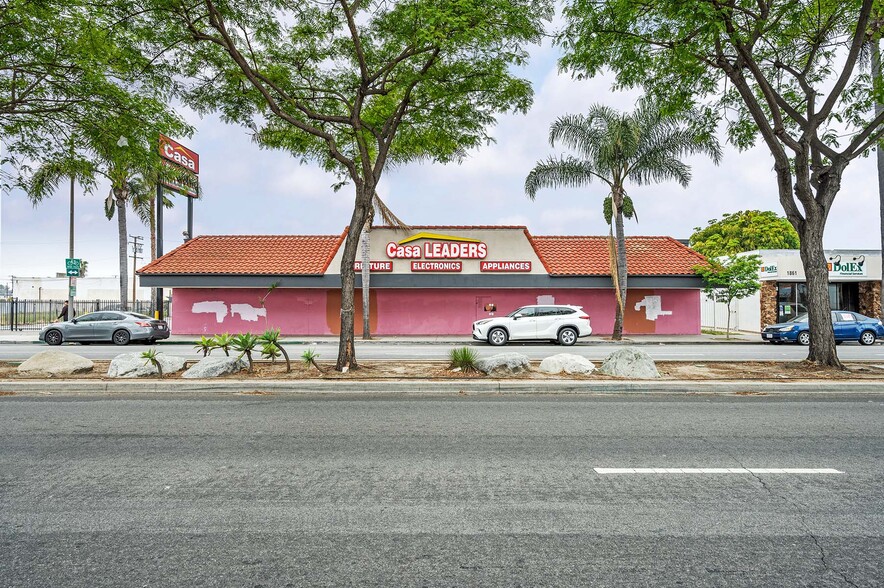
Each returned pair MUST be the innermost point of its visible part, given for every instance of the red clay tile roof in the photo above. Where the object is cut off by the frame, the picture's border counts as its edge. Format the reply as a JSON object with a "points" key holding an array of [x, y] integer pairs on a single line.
{"points": [[250, 255], [645, 256], [310, 255]]}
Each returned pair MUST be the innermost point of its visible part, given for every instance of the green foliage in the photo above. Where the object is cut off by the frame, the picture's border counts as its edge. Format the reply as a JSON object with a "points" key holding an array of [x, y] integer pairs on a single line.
{"points": [[245, 343], [734, 279], [463, 358], [151, 356], [205, 344], [223, 342], [271, 351], [744, 231], [270, 340], [627, 209], [309, 357]]}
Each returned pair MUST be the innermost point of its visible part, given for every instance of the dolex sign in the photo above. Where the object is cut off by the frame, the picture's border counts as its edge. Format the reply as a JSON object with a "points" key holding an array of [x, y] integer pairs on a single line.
{"points": [[179, 154], [847, 268]]}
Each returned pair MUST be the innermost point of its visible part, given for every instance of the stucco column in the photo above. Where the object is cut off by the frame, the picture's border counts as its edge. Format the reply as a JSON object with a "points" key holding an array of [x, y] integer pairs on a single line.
{"points": [[768, 303], [870, 299]]}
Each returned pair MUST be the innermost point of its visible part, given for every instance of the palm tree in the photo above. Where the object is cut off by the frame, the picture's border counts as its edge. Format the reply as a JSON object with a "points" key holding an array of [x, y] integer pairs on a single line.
{"points": [[616, 148], [378, 209]]}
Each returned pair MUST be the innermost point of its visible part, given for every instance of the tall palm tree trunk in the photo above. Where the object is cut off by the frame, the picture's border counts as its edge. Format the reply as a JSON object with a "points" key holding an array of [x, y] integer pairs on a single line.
{"points": [[153, 244], [123, 238], [620, 262], [366, 277]]}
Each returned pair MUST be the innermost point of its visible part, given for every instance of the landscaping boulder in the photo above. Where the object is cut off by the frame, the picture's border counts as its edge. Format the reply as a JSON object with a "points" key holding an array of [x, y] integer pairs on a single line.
{"points": [[503, 364], [212, 367], [132, 365], [568, 363], [630, 362], [55, 363]]}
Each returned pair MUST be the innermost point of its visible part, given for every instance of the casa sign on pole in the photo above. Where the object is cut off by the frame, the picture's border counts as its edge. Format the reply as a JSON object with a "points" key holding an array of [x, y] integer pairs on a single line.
{"points": [[186, 161]]}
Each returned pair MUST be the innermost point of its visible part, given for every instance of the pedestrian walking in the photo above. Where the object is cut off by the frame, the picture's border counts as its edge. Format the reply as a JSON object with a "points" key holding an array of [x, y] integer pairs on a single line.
{"points": [[63, 315]]}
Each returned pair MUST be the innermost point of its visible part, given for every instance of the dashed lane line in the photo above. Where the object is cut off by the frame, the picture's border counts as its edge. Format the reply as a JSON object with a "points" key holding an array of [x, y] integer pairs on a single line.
{"points": [[606, 471]]}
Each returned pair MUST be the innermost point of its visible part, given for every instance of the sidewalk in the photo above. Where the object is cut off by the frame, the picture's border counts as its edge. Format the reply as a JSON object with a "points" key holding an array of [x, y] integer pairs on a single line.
{"points": [[9, 337]]}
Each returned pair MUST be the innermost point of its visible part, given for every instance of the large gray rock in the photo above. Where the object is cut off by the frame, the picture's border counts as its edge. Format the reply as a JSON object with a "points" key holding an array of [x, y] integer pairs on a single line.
{"points": [[568, 363], [132, 365], [55, 363], [504, 364], [212, 367], [630, 362]]}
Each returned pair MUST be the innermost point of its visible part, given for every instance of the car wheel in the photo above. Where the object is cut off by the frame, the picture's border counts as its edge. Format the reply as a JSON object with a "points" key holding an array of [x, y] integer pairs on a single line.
{"points": [[804, 338], [867, 338], [497, 337], [567, 337], [121, 337], [53, 337]]}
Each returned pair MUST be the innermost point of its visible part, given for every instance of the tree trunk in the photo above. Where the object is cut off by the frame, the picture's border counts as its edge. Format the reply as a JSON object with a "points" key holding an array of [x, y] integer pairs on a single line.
{"points": [[727, 333], [123, 238], [153, 244], [819, 313], [620, 263], [879, 152], [366, 278], [346, 348]]}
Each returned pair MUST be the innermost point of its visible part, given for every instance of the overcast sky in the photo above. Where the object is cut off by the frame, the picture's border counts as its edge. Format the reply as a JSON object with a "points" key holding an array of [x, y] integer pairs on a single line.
{"points": [[251, 191]]}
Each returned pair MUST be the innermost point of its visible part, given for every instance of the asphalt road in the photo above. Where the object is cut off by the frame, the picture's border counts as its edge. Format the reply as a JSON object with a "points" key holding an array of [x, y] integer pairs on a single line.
{"points": [[393, 350], [382, 491]]}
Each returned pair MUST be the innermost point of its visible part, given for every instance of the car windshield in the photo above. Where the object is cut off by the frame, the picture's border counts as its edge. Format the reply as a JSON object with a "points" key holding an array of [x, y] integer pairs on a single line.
{"points": [[517, 311], [801, 318]]}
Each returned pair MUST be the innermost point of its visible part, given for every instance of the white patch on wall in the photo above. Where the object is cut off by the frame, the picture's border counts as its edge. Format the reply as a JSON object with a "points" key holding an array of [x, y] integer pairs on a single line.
{"points": [[216, 307], [653, 307], [247, 312], [546, 299]]}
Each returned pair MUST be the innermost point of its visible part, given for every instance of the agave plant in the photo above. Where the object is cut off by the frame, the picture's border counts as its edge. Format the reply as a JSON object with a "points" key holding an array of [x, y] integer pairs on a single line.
{"points": [[205, 344], [310, 356], [270, 350], [151, 356], [271, 337], [223, 342], [245, 343]]}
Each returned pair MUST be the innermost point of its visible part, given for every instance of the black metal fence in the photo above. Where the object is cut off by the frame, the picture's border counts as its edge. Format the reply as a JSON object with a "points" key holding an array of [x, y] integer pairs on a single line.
{"points": [[17, 314]]}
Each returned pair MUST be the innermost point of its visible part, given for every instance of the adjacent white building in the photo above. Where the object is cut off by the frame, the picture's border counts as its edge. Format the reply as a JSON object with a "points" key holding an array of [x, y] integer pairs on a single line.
{"points": [[854, 284]]}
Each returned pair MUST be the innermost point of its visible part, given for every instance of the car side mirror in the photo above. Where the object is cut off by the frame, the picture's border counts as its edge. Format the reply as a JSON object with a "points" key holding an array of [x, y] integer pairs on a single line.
{"points": [[74, 321]]}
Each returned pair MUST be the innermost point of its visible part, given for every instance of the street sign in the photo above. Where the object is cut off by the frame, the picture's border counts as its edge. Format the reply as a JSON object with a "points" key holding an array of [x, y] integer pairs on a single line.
{"points": [[73, 281], [72, 266], [73, 291]]}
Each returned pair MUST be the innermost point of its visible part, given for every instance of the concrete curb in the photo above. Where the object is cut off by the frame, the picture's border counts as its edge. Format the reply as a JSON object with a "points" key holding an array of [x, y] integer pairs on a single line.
{"points": [[467, 342], [435, 387]]}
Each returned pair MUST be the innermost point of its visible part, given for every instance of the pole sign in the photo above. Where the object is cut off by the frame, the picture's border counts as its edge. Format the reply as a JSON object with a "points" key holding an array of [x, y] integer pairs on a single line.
{"points": [[185, 162], [72, 266]]}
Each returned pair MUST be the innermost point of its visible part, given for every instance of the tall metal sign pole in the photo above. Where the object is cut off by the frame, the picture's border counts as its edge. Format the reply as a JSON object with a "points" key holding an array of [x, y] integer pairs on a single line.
{"points": [[186, 181]]}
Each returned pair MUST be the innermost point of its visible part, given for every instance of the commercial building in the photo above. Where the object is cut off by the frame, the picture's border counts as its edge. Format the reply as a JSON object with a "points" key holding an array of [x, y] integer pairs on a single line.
{"points": [[428, 281], [854, 284]]}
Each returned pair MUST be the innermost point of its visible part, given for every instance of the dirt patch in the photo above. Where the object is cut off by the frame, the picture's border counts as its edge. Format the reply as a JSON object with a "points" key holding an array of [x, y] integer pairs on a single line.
{"points": [[435, 370]]}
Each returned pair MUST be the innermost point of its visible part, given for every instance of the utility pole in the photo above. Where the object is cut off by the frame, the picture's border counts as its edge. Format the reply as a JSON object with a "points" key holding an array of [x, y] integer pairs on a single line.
{"points": [[71, 279], [136, 249]]}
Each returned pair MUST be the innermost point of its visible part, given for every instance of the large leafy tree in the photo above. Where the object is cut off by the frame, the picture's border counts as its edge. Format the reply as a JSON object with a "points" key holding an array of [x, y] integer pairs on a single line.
{"points": [[63, 62], [779, 70], [746, 230], [354, 85], [119, 151], [639, 147]]}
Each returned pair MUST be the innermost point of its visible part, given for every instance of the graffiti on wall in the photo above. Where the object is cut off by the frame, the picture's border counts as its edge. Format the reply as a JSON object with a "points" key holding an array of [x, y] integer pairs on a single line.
{"points": [[246, 312], [653, 306]]}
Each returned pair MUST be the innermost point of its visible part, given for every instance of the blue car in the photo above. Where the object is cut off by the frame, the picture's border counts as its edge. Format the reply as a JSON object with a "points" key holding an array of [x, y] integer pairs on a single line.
{"points": [[849, 326]]}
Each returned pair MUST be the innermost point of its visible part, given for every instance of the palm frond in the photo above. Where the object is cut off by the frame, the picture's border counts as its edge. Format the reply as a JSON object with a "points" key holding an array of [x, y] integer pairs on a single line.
{"points": [[565, 171], [387, 215]]}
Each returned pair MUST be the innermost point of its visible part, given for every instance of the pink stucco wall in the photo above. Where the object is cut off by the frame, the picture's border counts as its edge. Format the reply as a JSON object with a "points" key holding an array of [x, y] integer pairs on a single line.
{"points": [[419, 311]]}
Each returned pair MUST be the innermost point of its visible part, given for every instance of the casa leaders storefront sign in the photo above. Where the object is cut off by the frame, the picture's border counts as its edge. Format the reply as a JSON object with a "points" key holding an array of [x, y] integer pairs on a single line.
{"points": [[186, 164], [446, 253]]}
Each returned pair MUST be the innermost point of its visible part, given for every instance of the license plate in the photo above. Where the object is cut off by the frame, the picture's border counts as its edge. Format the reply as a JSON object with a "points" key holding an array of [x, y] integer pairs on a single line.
{"points": [[768, 336]]}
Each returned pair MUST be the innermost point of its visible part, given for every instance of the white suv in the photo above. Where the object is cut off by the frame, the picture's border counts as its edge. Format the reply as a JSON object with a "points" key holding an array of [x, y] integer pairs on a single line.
{"points": [[557, 323]]}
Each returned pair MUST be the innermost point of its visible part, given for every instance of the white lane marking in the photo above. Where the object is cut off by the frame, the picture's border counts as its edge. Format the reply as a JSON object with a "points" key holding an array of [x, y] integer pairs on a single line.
{"points": [[717, 471]]}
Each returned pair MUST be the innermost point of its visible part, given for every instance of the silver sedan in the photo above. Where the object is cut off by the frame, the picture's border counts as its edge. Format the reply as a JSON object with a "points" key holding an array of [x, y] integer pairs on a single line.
{"points": [[117, 326]]}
